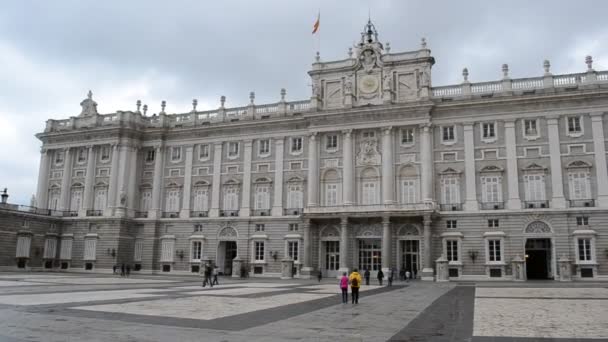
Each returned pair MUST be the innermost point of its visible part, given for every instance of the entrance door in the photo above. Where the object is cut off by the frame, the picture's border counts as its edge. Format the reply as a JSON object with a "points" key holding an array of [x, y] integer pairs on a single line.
{"points": [[411, 256], [538, 258], [370, 255], [229, 255], [332, 258]]}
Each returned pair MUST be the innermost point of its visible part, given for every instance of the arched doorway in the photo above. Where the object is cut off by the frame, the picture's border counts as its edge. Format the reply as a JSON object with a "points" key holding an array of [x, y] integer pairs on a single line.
{"points": [[226, 250], [329, 251], [539, 251], [408, 249]]}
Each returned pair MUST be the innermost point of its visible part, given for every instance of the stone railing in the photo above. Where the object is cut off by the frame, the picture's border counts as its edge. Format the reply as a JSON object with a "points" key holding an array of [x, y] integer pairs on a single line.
{"points": [[369, 208]]}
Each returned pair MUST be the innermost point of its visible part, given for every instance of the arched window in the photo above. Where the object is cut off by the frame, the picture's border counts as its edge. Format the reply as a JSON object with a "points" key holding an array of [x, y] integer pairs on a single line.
{"points": [[370, 187], [100, 199], [76, 197], [409, 185], [331, 188], [200, 197]]}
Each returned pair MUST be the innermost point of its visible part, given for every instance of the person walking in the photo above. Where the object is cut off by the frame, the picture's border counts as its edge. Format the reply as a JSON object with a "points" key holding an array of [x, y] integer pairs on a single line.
{"points": [[402, 274], [391, 274], [122, 270], [355, 283], [380, 276], [207, 273], [366, 275], [215, 271], [407, 276], [344, 288], [319, 276], [114, 269], [128, 270]]}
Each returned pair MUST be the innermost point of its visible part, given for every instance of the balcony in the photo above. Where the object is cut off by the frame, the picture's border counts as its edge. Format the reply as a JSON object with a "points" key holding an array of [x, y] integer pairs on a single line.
{"points": [[229, 213], [94, 212], [583, 203], [397, 207], [141, 214], [293, 211], [170, 214], [199, 213], [536, 204], [70, 213], [450, 207], [260, 212], [492, 205]]}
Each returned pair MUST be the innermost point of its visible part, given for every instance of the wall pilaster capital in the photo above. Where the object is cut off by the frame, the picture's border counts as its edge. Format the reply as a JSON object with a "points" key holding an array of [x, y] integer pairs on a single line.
{"points": [[510, 123], [386, 220], [552, 119], [597, 116], [248, 143], [344, 221], [387, 130], [279, 140], [426, 220], [426, 127], [313, 136], [347, 133]]}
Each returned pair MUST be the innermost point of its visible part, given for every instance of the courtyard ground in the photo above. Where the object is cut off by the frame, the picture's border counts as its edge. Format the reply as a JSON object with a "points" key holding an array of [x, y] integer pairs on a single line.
{"points": [[85, 307]]}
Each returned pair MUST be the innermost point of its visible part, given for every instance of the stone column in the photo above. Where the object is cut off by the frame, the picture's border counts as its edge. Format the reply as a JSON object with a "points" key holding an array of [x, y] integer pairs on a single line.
{"points": [[277, 206], [427, 270], [348, 167], [112, 190], [388, 167], [514, 201], [157, 183], [344, 260], [426, 167], [470, 203], [89, 182], [307, 269], [133, 181], [386, 245], [123, 172], [214, 211], [43, 180], [185, 212], [313, 170], [64, 199], [599, 148], [557, 200], [246, 200]]}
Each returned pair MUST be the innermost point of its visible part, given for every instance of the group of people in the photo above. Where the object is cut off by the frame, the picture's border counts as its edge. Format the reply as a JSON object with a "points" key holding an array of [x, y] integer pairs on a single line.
{"points": [[210, 274], [355, 279], [125, 270]]}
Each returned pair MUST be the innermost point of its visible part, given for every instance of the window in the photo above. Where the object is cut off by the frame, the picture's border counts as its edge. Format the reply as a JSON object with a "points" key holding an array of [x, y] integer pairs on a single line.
{"points": [[198, 228], [369, 195], [295, 166], [369, 134], [574, 125], [494, 254], [260, 227], [409, 193], [146, 200], [493, 223], [139, 250], [231, 198], [580, 187], [203, 151], [105, 153], [262, 197], [176, 153], [292, 250], [535, 187], [103, 172], [451, 252], [296, 145], [450, 189], [76, 199], [370, 254], [79, 173], [264, 147], [530, 128], [584, 249], [407, 136], [233, 149], [175, 173], [99, 203], [451, 224], [293, 227], [488, 130], [331, 194], [150, 154], [90, 249], [167, 247], [448, 134], [201, 196], [295, 196], [81, 155], [331, 142], [582, 221], [59, 156], [65, 252], [172, 204], [259, 250], [491, 187], [196, 250]]}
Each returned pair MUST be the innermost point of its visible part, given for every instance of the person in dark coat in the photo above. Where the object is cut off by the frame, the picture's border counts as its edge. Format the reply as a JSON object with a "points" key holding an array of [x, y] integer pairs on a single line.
{"points": [[128, 270], [366, 275], [380, 277], [391, 275], [320, 276], [122, 270], [402, 274]]}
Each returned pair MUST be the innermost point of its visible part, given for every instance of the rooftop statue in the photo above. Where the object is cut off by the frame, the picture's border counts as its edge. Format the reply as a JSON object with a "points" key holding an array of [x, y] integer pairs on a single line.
{"points": [[89, 107]]}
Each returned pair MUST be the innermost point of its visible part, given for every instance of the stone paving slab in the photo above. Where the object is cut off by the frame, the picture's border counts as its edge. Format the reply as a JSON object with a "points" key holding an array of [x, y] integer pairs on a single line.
{"points": [[231, 291], [75, 297], [7, 283], [542, 292]]}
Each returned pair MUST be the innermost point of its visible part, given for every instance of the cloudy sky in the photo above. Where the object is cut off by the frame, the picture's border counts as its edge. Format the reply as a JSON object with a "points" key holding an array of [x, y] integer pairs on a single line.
{"points": [[53, 52]]}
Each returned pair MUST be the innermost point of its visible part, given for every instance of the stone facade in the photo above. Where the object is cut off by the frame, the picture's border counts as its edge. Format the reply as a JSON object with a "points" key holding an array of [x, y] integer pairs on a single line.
{"points": [[378, 169]]}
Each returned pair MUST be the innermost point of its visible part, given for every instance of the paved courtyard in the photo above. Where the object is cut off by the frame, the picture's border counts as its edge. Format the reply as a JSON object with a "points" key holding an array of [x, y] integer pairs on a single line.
{"points": [[77, 307]]}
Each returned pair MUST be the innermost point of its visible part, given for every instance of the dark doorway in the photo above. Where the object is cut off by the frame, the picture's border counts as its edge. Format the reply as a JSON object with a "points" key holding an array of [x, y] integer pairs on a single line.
{"points": [[229, 256], [410, 256], [21, 262], [538, 258]]}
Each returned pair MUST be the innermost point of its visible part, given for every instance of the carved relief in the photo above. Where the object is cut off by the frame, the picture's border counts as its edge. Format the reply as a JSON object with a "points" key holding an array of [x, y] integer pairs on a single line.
{"points": [[368, 59], [371, 230], [537, 227], [368, 153], [333, 94], [408, 230], [330, 232], [407, 87], [228, 233]]}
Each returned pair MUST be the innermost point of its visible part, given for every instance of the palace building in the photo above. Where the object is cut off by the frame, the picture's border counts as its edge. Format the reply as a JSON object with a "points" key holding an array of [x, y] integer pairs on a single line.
{"points": [[378, 169]]}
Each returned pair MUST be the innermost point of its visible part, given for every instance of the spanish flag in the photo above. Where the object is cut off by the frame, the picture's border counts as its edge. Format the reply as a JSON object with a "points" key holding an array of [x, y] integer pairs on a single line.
{"points": [[315, 27]]}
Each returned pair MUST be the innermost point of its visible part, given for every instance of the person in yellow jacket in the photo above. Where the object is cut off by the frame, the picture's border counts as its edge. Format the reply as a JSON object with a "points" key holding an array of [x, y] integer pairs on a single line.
{"points": [[355, 283]]}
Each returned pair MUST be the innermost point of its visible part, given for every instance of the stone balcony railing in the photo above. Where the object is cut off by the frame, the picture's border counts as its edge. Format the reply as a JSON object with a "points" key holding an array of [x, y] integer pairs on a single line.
{"points": [[411, 207]]}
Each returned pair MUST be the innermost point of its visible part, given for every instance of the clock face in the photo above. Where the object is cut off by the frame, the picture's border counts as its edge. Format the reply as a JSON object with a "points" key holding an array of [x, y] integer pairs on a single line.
{"points": [[368, 84]]}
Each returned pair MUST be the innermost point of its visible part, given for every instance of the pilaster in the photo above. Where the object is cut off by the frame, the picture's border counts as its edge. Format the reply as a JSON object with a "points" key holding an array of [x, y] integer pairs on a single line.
{"points": [[246, 200], [470, 203], [557, 200], [599, 148], [185, 212], [277, 206], [344, 260], [89, 182], [426, 167], [43, 180], [348, 168], [386, 245], [307, 269], [388, 167], [514, 201], [313, 170], [65, 180], [427, 270], [133, 181], [214, 211], [123, 171], [157, 183]]}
